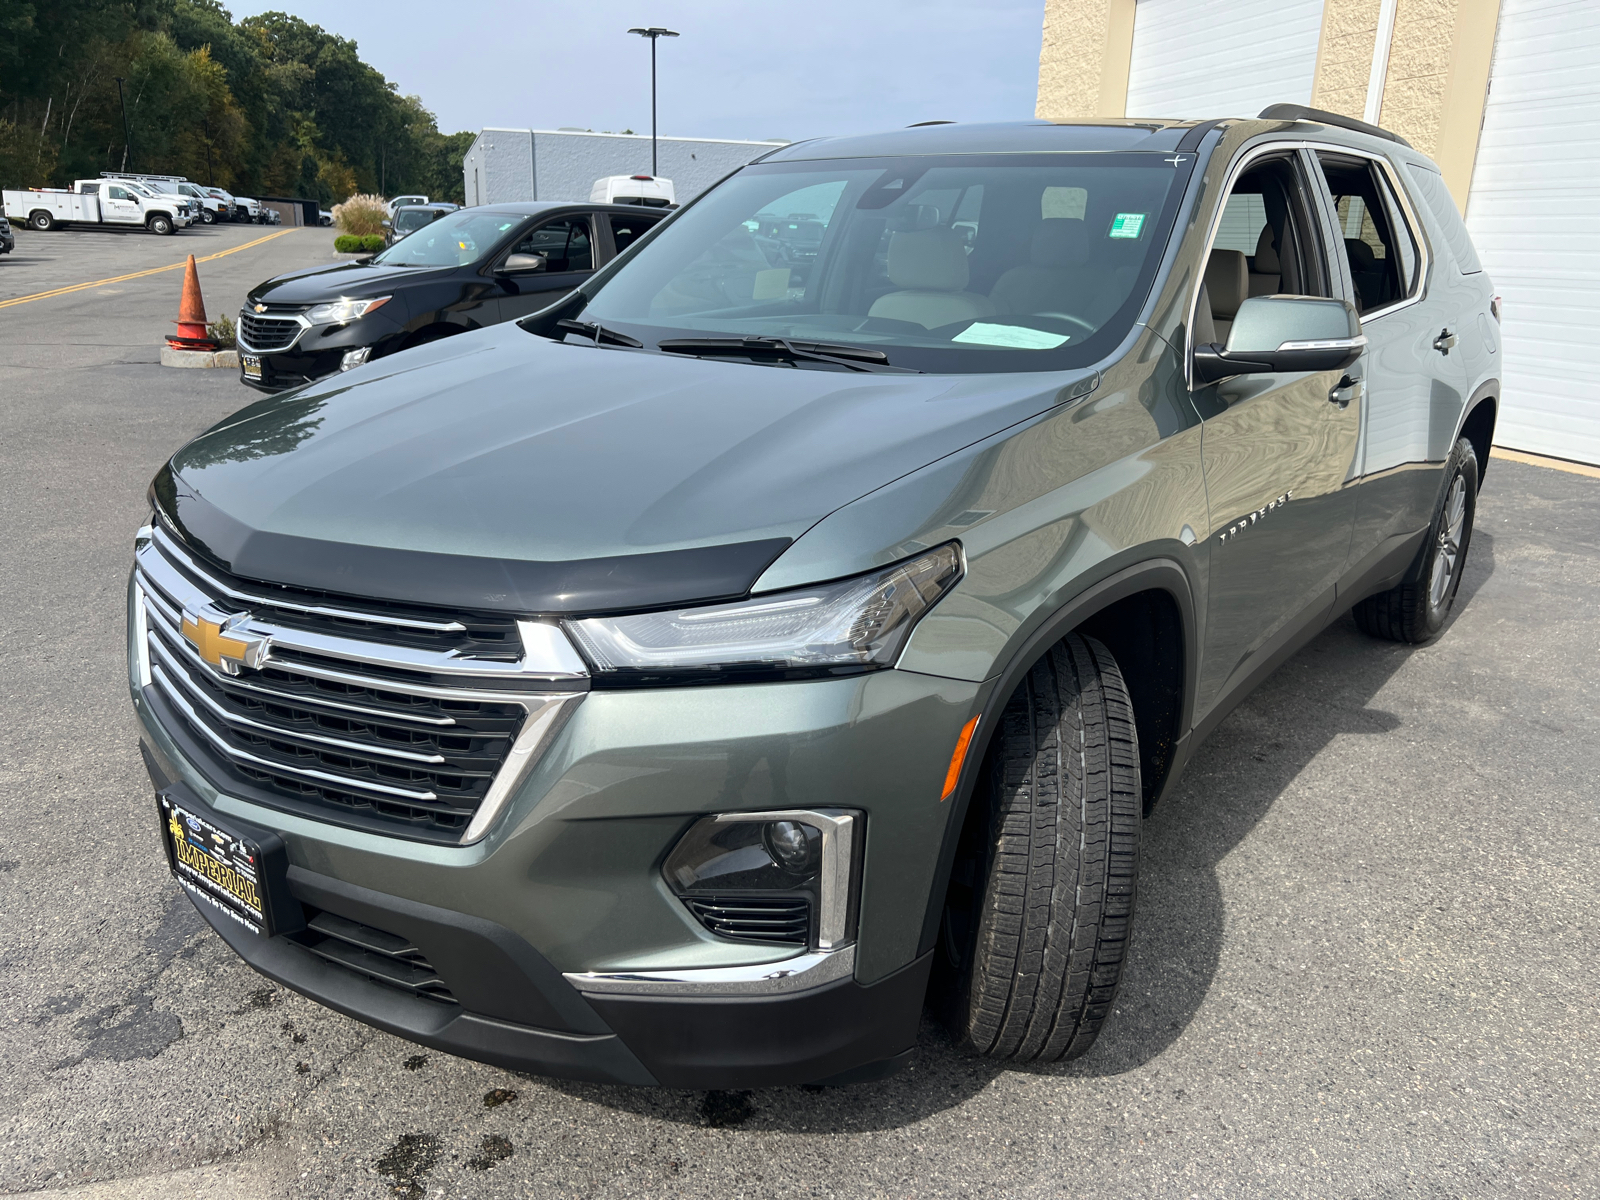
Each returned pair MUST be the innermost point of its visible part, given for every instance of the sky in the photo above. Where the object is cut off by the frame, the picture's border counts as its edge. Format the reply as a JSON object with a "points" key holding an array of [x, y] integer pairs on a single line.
{"points": [[738, 70]]}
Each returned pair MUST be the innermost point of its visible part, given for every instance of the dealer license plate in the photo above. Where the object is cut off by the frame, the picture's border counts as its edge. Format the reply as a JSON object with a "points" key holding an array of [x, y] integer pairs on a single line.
{"points": [[251, 364], [216, 865]]}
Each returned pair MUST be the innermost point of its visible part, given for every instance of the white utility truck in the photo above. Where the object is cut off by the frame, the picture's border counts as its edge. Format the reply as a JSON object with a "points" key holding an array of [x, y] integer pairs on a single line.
{"points": [[88, 203], [206, 207]]}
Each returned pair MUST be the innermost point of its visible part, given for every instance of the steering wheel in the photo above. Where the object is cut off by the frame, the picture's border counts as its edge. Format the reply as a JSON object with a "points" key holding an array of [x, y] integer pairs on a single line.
{"points": [[1069, 319]]}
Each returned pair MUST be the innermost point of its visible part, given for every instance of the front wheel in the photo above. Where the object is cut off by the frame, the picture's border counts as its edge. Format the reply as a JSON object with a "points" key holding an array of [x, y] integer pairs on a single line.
{"points": [[1416, 608], [1040, 907], [159, 223], [207, 217]]}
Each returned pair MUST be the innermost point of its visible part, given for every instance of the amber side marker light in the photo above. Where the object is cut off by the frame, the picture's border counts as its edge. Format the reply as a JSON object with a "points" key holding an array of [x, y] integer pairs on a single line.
{"points": [[953, 775]]}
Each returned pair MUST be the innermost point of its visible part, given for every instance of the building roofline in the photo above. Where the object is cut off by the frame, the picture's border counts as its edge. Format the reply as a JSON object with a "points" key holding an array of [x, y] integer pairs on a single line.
{"points": [[633, 137]]}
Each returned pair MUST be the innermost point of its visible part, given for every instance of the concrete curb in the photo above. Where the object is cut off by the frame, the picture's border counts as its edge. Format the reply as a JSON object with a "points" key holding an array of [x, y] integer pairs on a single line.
{"points": [[198, 358]]}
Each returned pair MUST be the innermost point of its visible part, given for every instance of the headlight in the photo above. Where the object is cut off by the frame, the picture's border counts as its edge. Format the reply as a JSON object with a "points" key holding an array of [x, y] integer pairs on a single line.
{"points": [[337, 312], [835, 628]]}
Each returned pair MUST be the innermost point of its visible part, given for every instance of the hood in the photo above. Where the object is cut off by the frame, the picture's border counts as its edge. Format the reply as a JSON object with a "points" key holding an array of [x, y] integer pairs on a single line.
{"points": [[347, 280], [500, 446]]}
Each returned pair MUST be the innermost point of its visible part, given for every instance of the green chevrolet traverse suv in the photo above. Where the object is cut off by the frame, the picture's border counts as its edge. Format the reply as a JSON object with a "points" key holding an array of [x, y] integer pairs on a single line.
{"points": [[791, 628]]}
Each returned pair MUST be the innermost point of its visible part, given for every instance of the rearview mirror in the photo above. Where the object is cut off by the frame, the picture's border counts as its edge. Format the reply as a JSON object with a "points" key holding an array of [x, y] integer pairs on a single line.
{"points": [[1284, 333], [525, 262]]}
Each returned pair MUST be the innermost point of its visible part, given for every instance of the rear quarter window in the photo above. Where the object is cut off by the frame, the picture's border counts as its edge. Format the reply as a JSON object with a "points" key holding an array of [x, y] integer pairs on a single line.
{"points": [[1441, 206]]}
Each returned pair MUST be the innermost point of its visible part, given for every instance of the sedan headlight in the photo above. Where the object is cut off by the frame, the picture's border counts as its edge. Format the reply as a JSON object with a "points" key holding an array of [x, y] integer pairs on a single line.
{"points": [[856, 624], [337, 312]]}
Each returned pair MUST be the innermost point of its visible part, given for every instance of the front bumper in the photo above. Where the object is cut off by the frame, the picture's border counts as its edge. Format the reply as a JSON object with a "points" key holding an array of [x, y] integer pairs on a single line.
{"points": [[531, 929], [318, 351]]}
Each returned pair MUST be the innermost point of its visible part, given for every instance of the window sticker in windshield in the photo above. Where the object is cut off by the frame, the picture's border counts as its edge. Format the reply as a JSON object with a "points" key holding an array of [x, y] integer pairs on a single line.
{"points": [[1015, 337], [1127, 225]]}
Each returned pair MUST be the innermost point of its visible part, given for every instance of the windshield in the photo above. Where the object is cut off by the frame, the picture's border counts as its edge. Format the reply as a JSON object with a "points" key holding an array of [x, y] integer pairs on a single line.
{"points": [[412, 218], [454, 240], [956, 263]]}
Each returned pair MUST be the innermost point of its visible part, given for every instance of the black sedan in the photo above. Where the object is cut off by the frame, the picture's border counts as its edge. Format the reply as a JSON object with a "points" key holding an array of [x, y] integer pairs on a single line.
{"points": [[471, 268]]}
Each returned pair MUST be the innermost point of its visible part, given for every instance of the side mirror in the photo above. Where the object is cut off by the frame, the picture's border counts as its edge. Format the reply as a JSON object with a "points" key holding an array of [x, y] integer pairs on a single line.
{"points": [[1284, 333], [388, 224], [525, 262]]}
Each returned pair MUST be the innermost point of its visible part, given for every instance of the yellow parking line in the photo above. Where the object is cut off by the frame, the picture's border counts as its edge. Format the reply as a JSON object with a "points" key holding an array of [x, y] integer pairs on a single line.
{"points": [[1540, 460], [78, 287]]}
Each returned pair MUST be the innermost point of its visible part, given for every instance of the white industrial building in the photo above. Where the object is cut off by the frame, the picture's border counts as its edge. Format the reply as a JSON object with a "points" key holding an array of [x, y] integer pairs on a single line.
{"points": [[560, 164]]}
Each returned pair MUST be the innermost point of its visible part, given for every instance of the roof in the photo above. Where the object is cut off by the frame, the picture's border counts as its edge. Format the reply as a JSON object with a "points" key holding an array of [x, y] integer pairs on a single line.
{"points": [[1008, 137]]}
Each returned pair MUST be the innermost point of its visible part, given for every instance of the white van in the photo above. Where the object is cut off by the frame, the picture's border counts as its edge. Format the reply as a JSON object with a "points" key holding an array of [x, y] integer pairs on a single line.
{"points": [[633, 189]]}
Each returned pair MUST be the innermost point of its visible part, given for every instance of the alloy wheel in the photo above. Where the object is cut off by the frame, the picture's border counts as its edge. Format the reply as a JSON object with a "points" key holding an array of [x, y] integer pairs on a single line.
{"points": [[1447, 551]]}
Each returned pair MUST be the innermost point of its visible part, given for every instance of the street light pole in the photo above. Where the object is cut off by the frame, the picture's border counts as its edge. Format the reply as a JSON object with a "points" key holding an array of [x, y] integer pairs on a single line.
{"points": [[653, 33], [127, 138]]}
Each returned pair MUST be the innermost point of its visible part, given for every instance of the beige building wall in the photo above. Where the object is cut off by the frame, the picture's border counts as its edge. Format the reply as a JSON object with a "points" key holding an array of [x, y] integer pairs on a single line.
{"points": [[1433, 92]]}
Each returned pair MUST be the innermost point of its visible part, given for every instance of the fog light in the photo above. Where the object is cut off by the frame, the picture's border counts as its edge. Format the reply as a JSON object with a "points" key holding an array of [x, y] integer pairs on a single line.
{"points": [[354, 358], [771, 877]]}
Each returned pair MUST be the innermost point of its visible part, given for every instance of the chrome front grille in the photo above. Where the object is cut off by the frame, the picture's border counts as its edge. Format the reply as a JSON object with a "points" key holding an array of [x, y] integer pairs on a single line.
{"points": [[266, 333], [379, 716]]}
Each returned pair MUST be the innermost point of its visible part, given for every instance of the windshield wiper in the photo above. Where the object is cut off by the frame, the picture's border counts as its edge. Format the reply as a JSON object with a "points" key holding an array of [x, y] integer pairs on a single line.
{"points": [[854, 358], [600, 334]]}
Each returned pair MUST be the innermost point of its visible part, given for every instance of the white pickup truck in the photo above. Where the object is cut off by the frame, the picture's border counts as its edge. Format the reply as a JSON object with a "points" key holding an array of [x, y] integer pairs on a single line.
{"points": [[98, 202]]}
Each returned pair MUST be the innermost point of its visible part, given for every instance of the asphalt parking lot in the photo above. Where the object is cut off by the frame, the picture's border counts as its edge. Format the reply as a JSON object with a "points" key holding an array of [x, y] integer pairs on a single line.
{"points": [[1367, 957]]}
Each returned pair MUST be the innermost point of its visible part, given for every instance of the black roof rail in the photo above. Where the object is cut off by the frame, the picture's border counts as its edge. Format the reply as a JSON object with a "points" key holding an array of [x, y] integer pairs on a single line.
{"points": [[1299, 112]]}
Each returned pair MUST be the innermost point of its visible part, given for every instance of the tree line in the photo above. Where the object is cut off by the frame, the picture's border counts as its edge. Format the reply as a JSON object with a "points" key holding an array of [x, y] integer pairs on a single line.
{"points": [[269, 105]]}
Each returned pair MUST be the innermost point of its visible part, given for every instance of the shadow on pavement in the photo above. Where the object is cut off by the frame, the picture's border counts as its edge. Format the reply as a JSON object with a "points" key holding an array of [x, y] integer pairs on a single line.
{"points": [[1323, 692]]}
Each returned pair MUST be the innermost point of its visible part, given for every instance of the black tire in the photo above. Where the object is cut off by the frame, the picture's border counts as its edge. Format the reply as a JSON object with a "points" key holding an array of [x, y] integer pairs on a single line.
{"points": [[42, 221], [207, 217], [160, 223], [1040, 908], [1416, 608]]}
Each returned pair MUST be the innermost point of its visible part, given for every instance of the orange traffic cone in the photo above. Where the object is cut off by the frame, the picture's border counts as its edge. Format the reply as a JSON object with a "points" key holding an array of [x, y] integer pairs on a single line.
{"points": [[191, 320]]}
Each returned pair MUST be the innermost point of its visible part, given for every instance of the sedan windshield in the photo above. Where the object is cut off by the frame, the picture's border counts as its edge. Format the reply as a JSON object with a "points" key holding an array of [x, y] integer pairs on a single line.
{"points": [[958, 263], [452, 241]]}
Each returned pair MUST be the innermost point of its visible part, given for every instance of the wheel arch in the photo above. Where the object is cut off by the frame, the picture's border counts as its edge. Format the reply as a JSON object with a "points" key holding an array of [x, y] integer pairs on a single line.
{"points": [[1477, 423], [1145, 615]]}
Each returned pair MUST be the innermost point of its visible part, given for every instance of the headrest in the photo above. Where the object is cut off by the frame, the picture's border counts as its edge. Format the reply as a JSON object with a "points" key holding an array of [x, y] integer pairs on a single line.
{"points": [[1267, 252], [930, 259], [1360, 254], [1060, 242], [1228, 282]]}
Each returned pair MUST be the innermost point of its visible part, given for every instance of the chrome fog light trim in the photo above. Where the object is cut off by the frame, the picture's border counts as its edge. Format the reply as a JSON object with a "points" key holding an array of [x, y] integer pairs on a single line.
{"points": [[838, 835], [354, 358]]}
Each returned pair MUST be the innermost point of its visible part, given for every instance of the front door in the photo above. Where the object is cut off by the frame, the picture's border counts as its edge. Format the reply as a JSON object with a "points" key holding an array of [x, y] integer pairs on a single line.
{"points": [[118, 204], [545, 264], [1279, 449]]}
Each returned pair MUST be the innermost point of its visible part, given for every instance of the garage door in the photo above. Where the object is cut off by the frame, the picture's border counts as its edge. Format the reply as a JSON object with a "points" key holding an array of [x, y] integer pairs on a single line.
{"points": [[1221, 60], [1534, 214]]}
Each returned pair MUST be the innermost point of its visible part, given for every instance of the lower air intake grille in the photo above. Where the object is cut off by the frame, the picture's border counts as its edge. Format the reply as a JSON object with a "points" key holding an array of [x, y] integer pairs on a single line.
{"points": [[754, 918], [383, 957]]}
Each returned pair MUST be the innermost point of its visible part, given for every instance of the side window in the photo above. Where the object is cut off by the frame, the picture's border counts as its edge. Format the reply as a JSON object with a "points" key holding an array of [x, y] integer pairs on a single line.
{"points": [[565, 245], [117, 193], [1266, 244], [1443, 207], [627, 230], [1378, 245]]}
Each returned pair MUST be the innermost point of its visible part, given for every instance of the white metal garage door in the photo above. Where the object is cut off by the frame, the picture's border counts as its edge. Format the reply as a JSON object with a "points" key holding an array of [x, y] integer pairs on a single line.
{"points": [[1534, 215], [1221, 60]]}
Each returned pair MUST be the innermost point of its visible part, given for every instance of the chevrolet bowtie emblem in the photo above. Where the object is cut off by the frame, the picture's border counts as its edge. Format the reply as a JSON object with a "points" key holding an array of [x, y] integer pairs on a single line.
{"points": [[219, 646], [261, 308]]}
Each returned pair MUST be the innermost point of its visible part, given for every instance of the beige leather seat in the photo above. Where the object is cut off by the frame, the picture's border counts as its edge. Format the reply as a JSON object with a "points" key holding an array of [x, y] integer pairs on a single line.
{"points": [[930, 268], [1228, 286], [1266, 273], [1059, 277]]}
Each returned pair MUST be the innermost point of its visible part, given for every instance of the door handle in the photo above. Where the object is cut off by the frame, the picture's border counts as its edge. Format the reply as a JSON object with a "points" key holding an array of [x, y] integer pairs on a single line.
{"points": [[1346, 390], [1445, 342]]}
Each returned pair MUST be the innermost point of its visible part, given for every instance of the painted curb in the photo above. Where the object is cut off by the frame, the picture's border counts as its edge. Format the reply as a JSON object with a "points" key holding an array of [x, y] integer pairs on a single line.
{"points": [[198, 358]]}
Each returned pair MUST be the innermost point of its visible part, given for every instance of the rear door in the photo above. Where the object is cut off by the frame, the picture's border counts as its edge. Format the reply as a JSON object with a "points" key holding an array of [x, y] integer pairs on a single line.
{"points": [[545, 264], [627, 228], [1280, 450], [1413, 370]]}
